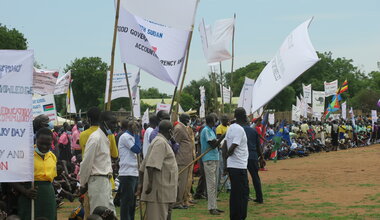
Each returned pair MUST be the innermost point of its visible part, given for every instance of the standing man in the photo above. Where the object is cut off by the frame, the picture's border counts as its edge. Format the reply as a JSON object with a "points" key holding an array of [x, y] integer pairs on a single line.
{"points": [[237, 163], [211, 162], [159, 175], [129, 148], [153, 123], [184, 156], [255, 153], [222, 130], [96, 168]]}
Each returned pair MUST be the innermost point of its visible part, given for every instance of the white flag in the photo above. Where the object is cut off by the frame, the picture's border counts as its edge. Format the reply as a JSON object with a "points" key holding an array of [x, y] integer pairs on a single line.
{"points": [[294, 57], [304, 107], [136, 104], [295, 113], [352, 117], [225, 93], [202, 111], [16, 81], [119, 85], [374, 117], [145, 118], [307, 93], [318, 102], [245, 98], [271, 118], [70, 103], [44, 81], [217, 40], [63, 84], [155, 48], [331, 88], [344, 110]]}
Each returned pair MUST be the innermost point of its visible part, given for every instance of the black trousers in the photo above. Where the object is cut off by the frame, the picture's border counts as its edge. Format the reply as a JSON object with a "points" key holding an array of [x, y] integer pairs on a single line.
{"points": [[127, 189], [253, 168], [239, 193]]}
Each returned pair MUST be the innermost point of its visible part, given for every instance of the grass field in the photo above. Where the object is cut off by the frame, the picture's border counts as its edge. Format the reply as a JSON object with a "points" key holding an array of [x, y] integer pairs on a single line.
{"points": [[334, 185]]}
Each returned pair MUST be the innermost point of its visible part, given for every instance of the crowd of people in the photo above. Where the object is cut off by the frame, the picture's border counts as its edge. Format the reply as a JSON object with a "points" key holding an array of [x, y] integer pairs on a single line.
{"points": [[105, 163]]}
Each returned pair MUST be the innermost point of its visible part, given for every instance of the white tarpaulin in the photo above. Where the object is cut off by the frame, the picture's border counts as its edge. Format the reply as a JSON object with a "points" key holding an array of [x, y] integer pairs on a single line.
{"points": [[226, 94], [295, 113], [16, 148], [136, 104], [172, 13], [318, 102], [344, 110], [155, 48], [44, 81], [331, 88], [44, 105], [294, 57], [245, 98], [63, 84], [202, 111], [145, 118], [217, 40], [307, 93], [163, 107], [119, 85], [70, 103]]}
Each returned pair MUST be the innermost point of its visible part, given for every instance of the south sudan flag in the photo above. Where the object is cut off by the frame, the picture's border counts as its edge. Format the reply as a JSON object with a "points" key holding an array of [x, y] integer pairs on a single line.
{"points": [[48, 107]]}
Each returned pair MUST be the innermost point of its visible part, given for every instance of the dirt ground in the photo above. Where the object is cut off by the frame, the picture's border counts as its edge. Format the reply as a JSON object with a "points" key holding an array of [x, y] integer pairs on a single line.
{"points": [[335, 185]]}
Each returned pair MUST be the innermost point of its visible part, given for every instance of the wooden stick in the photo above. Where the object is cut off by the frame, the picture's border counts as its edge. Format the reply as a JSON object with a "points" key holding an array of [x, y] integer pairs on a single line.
{"points": [[195, 160], [232, 61], [174, 94], [32, 209], [113, 55], [129, 90], [221, 85]]}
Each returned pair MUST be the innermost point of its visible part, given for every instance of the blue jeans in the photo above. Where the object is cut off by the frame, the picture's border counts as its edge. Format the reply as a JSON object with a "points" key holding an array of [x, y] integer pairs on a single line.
{"points": [[127, 189]]}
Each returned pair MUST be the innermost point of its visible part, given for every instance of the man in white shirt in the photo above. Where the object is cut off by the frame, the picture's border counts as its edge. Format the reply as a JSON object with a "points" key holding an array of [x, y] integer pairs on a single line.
{"points": [[153, 123], [237, 161], [96, 167], [129, 148]]}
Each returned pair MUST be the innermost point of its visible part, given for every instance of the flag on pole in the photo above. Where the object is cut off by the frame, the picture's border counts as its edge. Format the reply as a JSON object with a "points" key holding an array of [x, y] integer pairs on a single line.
{"points": [[245, 98], [145, 118], [136, 104], [344, 87], [63, 83], [70, 104], [202, 111]]}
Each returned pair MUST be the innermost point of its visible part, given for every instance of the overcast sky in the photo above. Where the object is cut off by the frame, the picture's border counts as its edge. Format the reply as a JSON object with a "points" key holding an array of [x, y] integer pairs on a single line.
{"points": [[60, 31]]}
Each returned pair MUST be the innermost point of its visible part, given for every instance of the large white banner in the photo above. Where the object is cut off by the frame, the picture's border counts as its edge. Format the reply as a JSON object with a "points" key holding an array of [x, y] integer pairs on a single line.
{"points": [[70, 103], [304, 107], [44, 81], [245, 98], [225, 93], [16, 133], [162, 107], [119, 85], [155, 48], [344, 110], [294, 57], [295, 113], [307, 93], [45, 105], [318, 102], [202, 111], [217, 40], [331, 88], [136, 104], [63, 84]]}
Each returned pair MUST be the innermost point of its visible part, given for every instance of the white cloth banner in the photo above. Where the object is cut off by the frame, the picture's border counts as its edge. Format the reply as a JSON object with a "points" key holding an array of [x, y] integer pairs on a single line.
{"points": [[202, 111], [245, 98], [217, 41], [226, 94], [294, 57], [119, 85], [45, 105], [70, 103], [318, 102], [136, 105], [172, 13], [145, 118], [374, 117], [44, 81], [63, 84], [352, 117], [271, 118], [163, 107], [344, 110], [157, 49], [307, 93], [295, 113], [16, 81], [331, 88], [304, 107]]}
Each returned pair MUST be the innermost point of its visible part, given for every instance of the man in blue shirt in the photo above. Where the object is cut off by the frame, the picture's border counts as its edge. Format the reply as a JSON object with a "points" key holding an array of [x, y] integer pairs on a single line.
{"points": [[211, 162]]}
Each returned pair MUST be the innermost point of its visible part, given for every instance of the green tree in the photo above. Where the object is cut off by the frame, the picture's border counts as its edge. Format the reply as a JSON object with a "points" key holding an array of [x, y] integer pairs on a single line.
{"points": [[12, 39], [187, 101], [366, 100], [152, 93]]}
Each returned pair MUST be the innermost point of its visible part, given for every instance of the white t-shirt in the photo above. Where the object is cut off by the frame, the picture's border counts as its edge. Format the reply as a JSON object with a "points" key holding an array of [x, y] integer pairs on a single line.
{"points": [[128, 159], [236, 135], [146, 141]]}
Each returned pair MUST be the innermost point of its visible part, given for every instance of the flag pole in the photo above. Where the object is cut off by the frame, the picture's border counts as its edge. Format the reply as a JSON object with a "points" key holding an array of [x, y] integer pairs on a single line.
{"points": [[213, 79], [129, 90], [232, 61], [221, 86], [108, 107]]}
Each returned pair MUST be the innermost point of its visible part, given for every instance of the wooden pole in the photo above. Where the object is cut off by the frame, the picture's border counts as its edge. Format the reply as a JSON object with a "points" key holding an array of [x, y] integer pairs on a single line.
{"points": [[221, 85], [213, 79], [195, 160], [113, 56], [32, 205], [232, 61], [129, 90], [174, 94]]}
